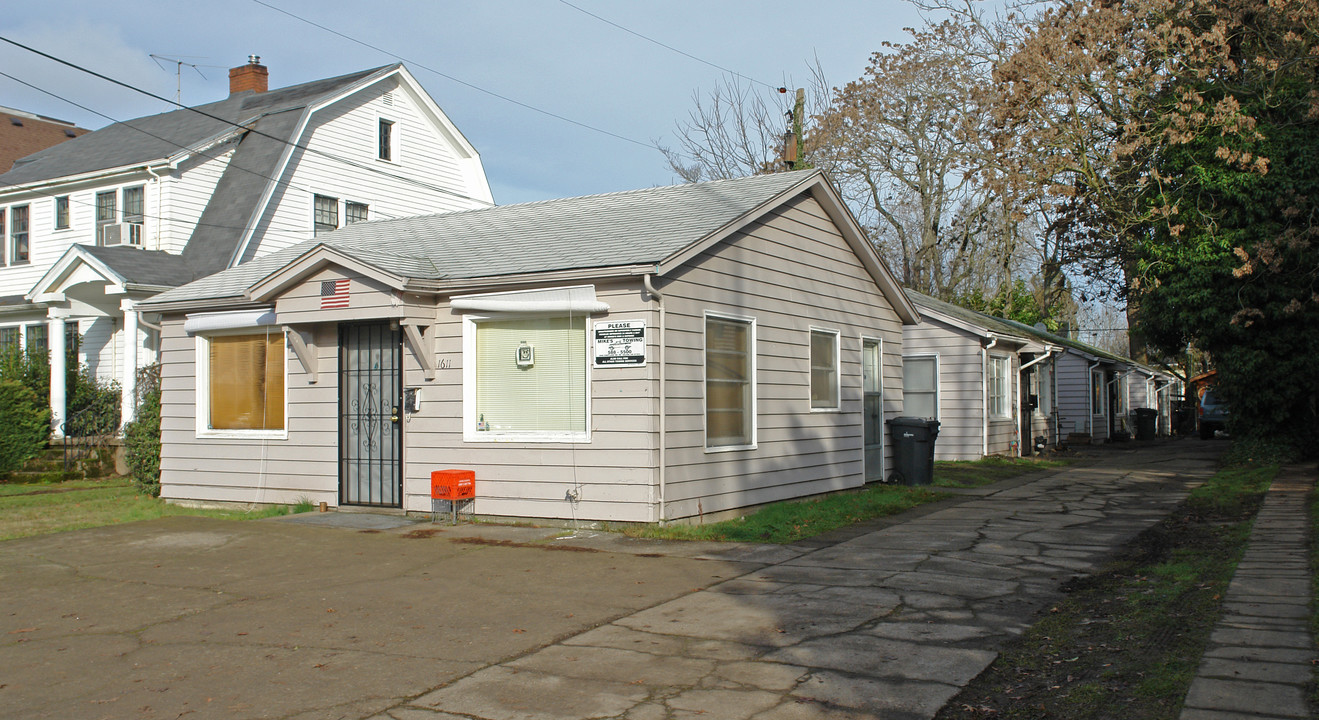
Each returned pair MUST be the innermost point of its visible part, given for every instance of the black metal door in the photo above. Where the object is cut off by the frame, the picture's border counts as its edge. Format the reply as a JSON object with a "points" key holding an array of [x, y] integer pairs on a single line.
{"points": [[370, 400]]}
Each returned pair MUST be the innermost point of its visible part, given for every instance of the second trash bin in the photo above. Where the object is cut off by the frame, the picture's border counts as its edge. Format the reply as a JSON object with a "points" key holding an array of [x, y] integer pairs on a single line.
{"points": [[913, 450], [1146, 421]]}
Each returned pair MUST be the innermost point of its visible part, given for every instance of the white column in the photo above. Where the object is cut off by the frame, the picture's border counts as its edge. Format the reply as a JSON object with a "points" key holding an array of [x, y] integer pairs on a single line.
{"points": [[55, 337], [128, 376]]}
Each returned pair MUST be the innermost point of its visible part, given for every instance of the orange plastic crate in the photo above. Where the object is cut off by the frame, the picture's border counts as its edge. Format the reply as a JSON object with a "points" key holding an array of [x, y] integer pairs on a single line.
{"points": [[453, 484]]}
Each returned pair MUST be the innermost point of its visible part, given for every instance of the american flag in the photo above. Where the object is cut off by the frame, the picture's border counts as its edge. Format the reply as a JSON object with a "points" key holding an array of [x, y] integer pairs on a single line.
{"points": [[334, 294]]}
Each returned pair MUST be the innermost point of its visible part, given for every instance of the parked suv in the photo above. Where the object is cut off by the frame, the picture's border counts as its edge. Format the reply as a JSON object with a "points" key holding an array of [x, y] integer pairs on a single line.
{"points": [[1213, 414]]}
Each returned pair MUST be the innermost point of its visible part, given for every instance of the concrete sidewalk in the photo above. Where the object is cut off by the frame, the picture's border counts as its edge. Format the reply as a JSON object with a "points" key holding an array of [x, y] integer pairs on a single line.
{"points": [[888, 624], [1259, 664]]}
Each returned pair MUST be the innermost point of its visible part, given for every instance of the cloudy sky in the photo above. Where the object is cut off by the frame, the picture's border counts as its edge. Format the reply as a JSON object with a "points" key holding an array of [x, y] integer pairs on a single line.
{"points": [[546, 54]]}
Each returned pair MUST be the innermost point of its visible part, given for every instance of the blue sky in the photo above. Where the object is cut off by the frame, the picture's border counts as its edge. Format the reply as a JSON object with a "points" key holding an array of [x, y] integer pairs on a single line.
{"points": [[543, 53]]}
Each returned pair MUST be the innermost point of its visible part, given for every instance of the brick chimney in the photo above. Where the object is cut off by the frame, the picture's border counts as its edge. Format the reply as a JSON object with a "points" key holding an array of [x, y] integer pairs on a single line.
{"points": [[252, 76]]}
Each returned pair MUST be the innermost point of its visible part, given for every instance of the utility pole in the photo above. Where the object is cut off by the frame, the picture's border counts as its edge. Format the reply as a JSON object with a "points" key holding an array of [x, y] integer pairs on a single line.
{"points": [[792, 140]]}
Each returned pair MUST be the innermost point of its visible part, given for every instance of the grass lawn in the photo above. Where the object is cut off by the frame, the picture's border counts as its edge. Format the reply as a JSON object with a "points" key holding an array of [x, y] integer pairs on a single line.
{"points": [[40, 508], [789, 521], [966, 474], [1126, 641]]}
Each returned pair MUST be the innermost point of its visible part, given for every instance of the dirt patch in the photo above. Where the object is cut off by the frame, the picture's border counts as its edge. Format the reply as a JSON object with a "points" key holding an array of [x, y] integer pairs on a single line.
{"points": [[534, 546], [421, 533]]}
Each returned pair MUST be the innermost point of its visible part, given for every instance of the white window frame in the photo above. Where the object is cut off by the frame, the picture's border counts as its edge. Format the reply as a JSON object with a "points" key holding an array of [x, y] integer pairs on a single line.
{"points": [[838, 370], [1004, 412], [752, 358], [1043, 389], [202, 391], [470, 433], [394, 127], [338, 212], [938, 394]]}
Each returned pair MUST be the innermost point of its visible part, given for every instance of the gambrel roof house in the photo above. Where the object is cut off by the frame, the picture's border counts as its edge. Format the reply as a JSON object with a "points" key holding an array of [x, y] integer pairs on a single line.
{"points": [[95, 225], [640, 356]]}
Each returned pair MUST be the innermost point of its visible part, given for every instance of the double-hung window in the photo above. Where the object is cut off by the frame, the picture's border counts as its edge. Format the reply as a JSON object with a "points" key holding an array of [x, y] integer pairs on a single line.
{"points": [[920, 386], [730, 408], [824, 370], [241, 383], [387, 140], [354, 212], [528, 378], [325, 214], [19, 248], [107, 212], [999, 387], [62, 212]]}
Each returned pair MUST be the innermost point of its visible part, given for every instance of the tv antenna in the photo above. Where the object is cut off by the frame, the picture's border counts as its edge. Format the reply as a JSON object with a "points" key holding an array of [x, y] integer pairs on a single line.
{"points": [[179, 63]]}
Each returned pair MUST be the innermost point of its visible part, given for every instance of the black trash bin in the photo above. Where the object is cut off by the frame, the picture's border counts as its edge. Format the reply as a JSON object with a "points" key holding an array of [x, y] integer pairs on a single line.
{"points": [[913, 450], [1146, 421]]}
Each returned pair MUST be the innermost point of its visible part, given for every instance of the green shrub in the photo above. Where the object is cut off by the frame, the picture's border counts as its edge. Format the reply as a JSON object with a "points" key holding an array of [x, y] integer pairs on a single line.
{"points": [[24, 425], [142, 436]]}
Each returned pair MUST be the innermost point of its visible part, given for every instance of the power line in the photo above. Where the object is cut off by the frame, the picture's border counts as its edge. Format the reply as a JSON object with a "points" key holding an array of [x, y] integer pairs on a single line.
{"points": [[283, 141], [683, 53], [285, 183], [464, 83]]}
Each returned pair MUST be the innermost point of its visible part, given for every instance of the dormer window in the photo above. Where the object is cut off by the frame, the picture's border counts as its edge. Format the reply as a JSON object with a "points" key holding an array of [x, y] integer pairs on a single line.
{"points": [[388, 141]]}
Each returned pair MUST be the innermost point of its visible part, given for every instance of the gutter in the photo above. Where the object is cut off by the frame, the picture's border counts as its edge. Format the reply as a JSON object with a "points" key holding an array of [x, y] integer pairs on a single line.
{"points": [[663, 396]]}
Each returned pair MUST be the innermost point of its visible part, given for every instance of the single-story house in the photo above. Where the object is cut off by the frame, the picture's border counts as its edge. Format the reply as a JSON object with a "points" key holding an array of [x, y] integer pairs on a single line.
{"points": [[987, 380], [639, 356]]}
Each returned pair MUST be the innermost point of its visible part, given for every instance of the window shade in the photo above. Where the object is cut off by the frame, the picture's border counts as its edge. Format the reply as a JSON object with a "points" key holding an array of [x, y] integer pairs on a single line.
{"points": [[247, 382], [548, 395]]}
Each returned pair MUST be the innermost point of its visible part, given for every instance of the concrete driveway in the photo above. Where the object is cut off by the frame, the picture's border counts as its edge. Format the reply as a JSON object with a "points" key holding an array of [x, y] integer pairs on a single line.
{"points": [[289, 619]]}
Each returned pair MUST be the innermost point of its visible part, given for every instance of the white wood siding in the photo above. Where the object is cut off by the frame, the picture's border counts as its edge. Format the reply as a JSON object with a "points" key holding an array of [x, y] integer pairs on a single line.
{"points": [[428, 176], [184, 194]]}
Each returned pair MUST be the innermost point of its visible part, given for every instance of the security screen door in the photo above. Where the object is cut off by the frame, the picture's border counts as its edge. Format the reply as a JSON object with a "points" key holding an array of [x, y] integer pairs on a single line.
{"points": [[370, 405]]}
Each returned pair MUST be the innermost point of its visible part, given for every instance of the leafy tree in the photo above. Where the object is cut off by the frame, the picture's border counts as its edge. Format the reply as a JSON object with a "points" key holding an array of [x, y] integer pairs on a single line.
{"points": [[142, 436]]}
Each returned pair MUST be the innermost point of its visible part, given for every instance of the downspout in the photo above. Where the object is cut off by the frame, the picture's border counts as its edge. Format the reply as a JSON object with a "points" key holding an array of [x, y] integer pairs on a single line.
{"points": [[663, 396], [984, 394], [1090, 400]]}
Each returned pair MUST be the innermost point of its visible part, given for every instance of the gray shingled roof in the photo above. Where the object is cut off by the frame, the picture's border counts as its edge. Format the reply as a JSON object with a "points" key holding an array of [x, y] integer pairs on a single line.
{"points": [[154, 137], [143, 267], [596, 231]]}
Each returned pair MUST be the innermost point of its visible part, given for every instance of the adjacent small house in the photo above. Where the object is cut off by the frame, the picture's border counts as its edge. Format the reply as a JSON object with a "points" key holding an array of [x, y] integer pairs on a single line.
{"points": [[639, 356], [987, 380], [92, 226]]}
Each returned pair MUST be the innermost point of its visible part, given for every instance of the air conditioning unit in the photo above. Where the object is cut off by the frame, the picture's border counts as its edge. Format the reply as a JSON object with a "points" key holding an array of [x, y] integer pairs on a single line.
{"points": [[122, 234]]}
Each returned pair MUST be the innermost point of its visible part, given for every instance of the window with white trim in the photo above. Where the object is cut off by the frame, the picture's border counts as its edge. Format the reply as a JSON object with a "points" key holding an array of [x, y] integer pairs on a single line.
{"points": [[354, 212], [324, 214], [999, 387], [530, 377], [107, 212], [20, 249], [824, 370], [920, 386], [241, 382], [730, 386], [387, 140], [1098, 393], [62, 212]]}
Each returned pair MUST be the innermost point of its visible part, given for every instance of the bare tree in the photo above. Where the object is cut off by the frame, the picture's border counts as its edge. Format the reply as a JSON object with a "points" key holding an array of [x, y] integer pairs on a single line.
{"points": [[738, 129]]}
